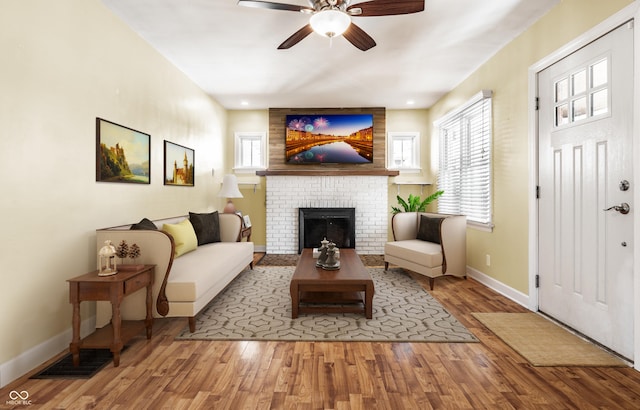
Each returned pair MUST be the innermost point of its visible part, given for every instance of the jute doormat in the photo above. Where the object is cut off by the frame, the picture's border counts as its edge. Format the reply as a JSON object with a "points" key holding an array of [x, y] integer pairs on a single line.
{"points": [[544, 343]]}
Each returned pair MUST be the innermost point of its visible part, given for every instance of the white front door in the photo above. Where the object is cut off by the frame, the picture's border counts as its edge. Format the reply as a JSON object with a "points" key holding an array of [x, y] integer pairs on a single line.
{"points": [[585, 167]]}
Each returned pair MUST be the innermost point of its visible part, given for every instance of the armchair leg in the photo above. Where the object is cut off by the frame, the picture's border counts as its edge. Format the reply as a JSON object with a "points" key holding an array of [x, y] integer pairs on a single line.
{"points": [[431, 282], [386, 266], [192, 324]]}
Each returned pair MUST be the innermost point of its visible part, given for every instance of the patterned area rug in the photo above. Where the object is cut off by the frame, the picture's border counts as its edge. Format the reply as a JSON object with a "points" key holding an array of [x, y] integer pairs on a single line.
{"points": [[257, 306]]}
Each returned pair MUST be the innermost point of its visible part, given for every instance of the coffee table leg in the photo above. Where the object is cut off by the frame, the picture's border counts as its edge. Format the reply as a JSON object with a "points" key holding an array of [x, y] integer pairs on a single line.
{"points": [[295, 300], [368, 301]]}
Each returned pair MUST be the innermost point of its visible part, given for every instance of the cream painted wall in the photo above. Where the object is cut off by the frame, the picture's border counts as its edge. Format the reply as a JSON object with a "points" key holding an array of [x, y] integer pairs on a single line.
{"points": [[64, 63], [254, 201], [408, 121], [506, 74]]}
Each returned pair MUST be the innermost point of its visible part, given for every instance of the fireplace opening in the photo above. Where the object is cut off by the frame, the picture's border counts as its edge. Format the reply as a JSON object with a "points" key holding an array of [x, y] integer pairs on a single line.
{"points": [[338, 225]]}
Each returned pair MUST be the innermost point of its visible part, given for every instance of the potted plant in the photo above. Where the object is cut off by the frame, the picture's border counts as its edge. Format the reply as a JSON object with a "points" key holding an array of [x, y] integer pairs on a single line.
{"points": [[414, 203]]}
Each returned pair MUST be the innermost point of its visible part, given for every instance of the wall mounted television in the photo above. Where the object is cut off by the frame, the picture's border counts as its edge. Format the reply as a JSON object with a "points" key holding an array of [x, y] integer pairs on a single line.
{"points": [[329, 139]]}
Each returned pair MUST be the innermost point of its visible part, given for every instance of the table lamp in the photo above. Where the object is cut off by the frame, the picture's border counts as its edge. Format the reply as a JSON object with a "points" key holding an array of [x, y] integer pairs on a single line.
{"points": [[230, 190]]}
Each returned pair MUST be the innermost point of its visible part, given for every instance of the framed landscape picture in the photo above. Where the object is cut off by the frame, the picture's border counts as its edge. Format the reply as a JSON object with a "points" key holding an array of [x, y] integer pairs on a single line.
{"points": [[122, 154], [178, 164]]}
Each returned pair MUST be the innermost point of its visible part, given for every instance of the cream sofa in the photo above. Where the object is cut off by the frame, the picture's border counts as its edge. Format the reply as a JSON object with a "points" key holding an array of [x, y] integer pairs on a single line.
{"points": [[426, 256], [184, 284]]}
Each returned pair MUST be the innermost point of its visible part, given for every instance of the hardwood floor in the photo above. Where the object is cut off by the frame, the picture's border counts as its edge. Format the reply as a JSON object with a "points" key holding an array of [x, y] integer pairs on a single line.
{"points": [[165, 373]]}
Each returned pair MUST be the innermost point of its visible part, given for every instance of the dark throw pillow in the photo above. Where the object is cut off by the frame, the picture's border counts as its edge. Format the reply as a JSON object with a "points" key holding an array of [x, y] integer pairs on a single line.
{"points": [[207, 227], [144, 225], [429, 229]]}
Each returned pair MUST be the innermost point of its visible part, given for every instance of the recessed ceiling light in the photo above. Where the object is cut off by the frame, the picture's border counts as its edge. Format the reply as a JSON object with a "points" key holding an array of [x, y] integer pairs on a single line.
{"points": [[410, 102], [244, 103]]}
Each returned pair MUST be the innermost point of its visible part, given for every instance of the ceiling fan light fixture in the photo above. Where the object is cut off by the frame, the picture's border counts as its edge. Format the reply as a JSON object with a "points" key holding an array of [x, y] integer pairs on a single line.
{"points": [[330, 23]]}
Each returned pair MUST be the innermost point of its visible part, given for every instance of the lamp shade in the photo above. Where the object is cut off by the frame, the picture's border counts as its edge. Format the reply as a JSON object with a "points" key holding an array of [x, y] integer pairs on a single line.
{"points": [[230, 187], [330, 23]]}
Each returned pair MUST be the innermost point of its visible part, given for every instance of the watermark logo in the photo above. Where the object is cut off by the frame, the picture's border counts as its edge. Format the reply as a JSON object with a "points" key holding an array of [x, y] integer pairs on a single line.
{"points": [[18, 398]]}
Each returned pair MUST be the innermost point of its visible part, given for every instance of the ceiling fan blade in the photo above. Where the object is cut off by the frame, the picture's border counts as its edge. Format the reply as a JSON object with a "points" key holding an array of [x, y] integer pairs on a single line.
{"points": [[388, 7], [356, 36], [296, 37], [274, 6]]}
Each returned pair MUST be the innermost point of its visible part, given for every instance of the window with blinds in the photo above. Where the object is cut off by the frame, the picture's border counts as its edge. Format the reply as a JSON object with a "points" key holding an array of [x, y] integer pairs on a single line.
{"points": [[465, 160]]}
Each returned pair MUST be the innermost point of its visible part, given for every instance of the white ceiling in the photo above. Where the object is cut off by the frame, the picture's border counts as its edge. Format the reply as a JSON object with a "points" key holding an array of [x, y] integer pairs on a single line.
{"points": [[231, 51]]}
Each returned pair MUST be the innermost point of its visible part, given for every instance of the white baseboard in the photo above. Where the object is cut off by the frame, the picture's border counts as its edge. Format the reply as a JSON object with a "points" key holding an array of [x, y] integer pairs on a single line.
{"points": [[515, 295], [34, 357]]}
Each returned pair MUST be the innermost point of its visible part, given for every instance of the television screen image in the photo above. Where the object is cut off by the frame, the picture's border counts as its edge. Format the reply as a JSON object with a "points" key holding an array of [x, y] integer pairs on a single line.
{"points": [[335, 138]]}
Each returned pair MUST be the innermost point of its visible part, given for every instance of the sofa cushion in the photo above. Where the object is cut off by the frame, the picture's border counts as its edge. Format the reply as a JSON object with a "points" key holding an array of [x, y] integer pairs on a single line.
{"points": [[194, 274], [184, 237], [429, 229], [144, 225], [206, 226], [426, 253]]}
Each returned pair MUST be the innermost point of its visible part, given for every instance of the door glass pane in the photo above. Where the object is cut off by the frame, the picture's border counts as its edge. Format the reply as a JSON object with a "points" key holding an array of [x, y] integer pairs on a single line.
{"points": [[562, 90], [599, 73], [579, 109], [579, 81], [600, 102], [562, 115]]}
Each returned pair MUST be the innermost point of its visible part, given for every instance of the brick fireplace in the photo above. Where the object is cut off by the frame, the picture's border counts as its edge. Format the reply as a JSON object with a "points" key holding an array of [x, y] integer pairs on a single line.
{"points": [[367, 194]]}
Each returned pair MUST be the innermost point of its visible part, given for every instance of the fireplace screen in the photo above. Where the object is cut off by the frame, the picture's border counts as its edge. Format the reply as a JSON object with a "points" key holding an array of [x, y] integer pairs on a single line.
{"points": [[336, 224]]}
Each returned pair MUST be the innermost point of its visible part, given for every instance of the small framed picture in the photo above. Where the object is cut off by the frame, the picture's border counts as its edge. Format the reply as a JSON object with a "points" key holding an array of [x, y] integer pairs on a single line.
{"points": [[247, 221], [178, 164]]}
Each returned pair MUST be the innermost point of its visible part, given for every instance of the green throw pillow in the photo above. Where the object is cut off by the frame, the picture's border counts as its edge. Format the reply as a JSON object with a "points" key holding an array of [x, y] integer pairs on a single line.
{"points": [[184, 237]]}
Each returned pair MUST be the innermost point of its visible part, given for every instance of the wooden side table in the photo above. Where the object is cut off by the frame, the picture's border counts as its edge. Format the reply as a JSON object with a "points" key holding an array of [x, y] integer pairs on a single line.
{"points": [[113, 288], [246, 233]]}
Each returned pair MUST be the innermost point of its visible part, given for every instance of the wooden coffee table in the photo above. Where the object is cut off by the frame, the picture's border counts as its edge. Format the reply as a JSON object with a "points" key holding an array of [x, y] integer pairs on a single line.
{"points": [[346, 290]]}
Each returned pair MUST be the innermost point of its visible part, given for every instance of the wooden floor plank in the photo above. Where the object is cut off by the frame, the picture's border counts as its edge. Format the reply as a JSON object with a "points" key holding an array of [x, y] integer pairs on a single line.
{"points": [[168, 373]]}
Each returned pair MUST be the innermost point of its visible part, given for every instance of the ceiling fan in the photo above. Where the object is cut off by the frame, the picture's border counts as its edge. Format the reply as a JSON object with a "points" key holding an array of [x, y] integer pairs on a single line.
{"points": [[332, 18]]}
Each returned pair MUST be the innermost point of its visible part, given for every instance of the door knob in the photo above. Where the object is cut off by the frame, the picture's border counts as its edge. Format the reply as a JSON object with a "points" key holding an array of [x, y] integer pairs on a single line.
{"points": [[623, 208]]}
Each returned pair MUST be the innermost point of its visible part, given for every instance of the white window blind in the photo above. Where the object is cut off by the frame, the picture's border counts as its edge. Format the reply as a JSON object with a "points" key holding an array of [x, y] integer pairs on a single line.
{"points": [[465, 160]]}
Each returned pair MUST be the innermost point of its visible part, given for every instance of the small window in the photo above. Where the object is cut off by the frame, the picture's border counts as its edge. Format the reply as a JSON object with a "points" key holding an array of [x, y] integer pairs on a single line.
{"points": [[403, 151], [250, 152], [583, 94]]}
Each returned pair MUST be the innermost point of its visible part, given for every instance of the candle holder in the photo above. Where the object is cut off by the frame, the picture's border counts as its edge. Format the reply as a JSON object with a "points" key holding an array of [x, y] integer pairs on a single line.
{"points": [[107, 260]]}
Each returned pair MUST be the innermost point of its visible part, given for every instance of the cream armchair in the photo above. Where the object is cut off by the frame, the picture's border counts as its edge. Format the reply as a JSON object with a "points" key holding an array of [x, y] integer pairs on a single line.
{"points": [[430, 244]]}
